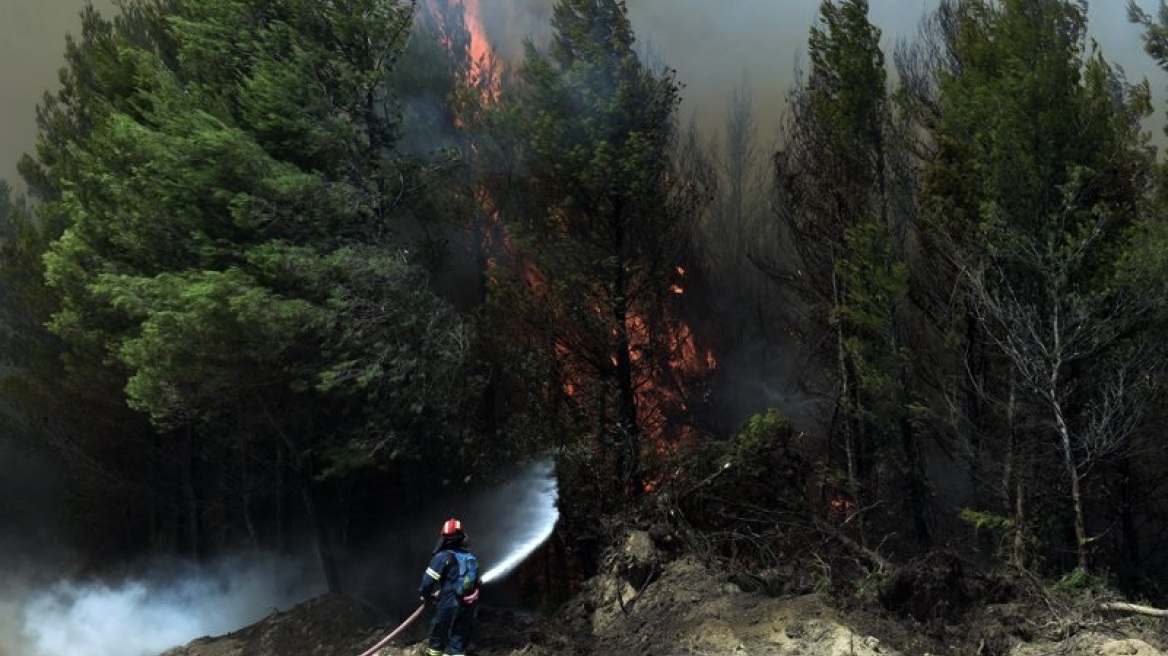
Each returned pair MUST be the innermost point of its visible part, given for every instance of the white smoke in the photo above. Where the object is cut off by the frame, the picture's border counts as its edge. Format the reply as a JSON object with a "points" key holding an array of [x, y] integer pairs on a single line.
{"points": [[146, 615]]}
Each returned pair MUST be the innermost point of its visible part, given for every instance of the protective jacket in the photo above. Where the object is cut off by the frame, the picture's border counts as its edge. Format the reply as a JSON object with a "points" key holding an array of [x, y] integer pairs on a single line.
{"points": [[441, 576], [454, 616]]}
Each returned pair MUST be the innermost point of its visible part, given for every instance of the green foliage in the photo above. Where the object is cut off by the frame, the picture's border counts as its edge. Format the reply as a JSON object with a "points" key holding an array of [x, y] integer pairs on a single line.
{"points": [[222, 238], [986, 521], [847, 78], [845, 213], [824, 585], [875, 280], [762, 438], [1038, 180], [222, 205], [234, 243], [1155, 32], [870, 586], [600, 223], [764, 466], [1076, 581]]}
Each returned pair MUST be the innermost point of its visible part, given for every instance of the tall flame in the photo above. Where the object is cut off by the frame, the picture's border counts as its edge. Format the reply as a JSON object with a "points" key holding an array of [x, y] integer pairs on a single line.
{"points": [[483, 70], [661, 380], [480, 45]]}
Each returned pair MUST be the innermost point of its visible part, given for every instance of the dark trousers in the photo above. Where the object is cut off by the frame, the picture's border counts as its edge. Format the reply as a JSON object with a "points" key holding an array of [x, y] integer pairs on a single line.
{"points": [[450, 630]]}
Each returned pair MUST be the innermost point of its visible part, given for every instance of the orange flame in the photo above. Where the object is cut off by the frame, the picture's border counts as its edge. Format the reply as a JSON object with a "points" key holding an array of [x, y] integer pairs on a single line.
{"points": [[840, 509], [480, 45], [484, 73], [659, 397]]}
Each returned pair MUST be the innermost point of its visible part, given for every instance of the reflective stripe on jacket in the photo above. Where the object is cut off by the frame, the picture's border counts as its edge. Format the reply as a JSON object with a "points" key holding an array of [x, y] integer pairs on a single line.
{"points": [[442, 576]]}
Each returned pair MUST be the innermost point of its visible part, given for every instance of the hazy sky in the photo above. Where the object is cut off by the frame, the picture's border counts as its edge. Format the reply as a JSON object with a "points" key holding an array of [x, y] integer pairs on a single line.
{"points": [[32, 43], [711, 43]]}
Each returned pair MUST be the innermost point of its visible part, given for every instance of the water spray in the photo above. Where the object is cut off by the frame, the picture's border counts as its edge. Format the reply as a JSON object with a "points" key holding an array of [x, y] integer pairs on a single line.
{"points": [[530, 501], [522, 551]]}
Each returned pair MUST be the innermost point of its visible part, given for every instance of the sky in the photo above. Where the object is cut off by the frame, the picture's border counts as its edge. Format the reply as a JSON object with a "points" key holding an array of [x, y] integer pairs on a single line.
{"points": [[32, 44], [713, 45]]}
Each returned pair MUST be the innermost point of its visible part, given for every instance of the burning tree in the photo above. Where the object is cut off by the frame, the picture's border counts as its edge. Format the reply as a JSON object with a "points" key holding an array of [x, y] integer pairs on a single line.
{"points": [[600, 224]]}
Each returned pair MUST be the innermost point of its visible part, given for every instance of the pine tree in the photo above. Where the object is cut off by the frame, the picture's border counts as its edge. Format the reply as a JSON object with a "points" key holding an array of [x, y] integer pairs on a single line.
{"points": [[842, 225], [601, 228], [230, 242], [1036, 181]]}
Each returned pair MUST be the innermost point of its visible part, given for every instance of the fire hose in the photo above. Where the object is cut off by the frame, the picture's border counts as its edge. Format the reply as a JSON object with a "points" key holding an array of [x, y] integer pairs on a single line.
{"points": [[393, 634]]}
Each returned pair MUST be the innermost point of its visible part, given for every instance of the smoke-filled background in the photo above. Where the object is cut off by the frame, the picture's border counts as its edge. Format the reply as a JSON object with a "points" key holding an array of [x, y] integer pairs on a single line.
{"points": [[713, 44], [166, 603]]}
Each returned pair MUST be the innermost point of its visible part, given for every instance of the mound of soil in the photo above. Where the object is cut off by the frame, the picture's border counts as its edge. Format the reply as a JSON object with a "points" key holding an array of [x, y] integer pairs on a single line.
{"points": [[323, 626], [646, 602]]}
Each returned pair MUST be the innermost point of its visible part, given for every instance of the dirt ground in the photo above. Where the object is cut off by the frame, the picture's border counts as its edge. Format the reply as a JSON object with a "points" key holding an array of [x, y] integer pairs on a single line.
{"points": [[644, 603]]}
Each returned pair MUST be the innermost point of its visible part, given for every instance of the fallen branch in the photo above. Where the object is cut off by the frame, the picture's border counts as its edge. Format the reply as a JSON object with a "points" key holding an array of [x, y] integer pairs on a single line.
{"points": [[873, 557], [1125, 607]]}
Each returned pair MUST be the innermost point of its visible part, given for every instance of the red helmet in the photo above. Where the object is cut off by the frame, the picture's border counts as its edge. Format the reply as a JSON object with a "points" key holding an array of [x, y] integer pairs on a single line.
{"points": [[451, 528]]}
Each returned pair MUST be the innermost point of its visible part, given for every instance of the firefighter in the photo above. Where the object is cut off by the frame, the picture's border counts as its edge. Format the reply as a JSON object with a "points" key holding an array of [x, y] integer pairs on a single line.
{"points": [[452, 579]]}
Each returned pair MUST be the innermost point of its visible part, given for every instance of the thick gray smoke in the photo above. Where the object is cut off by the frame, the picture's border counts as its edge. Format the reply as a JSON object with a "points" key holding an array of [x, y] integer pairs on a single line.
{"points": [[714, 43], [711, 43]]}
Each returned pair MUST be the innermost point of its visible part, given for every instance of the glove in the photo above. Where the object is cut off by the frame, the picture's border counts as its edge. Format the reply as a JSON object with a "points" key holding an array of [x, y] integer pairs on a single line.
{"points": [[471, 598]]}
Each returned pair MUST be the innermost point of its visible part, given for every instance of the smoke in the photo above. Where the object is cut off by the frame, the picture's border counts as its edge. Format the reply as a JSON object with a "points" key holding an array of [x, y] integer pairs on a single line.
{"points": [[160, 609], [32, 33], [714, 44], [163, 605], [711, 43]]}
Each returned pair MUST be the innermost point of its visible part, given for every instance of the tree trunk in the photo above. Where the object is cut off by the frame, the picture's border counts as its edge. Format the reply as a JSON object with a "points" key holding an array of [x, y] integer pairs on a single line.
{"points": [[324, 546], [1018, 548], [845, 393], [246, 500], [1134, 608], [626, 390], [1133, 559], [281, 469], [627, 404], [192, 495], [1013, 491], [918, 494], [302, 468], [1075, 479]]}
